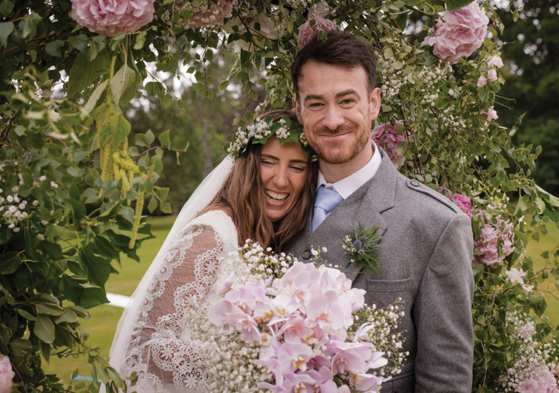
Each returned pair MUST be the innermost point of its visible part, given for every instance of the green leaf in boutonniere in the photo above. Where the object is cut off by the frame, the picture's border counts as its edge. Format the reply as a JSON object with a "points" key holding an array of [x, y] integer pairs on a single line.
{"points": [[363, 248]]}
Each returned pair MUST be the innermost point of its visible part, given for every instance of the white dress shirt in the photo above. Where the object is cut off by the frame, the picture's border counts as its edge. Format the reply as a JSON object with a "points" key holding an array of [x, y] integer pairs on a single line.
{"points": [[348, 185]]}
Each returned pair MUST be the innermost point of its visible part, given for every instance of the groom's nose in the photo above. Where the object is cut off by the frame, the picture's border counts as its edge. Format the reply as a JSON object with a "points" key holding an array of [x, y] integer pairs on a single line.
{"points": [[333, 117]]}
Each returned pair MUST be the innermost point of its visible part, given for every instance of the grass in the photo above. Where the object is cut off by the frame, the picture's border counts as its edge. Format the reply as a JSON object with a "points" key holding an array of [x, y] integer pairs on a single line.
{"points": [[535, 249], [104, 319]]}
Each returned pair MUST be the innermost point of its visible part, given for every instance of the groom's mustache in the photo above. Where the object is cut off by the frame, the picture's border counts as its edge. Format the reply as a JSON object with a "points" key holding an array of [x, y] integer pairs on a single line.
{"points": [[338, 130]]}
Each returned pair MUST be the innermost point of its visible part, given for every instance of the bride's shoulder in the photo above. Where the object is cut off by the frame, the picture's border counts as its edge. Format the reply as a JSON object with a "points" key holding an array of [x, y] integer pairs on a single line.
{"points": [[219, 219]]}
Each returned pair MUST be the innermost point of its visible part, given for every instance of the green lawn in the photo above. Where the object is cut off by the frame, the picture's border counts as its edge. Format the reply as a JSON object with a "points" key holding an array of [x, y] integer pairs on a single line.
{"points": [[535, 249], [104, 319]]}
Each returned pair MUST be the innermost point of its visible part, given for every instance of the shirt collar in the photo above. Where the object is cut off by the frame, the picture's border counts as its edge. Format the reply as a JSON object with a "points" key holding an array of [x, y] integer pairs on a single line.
{"points": [[348, 185]]}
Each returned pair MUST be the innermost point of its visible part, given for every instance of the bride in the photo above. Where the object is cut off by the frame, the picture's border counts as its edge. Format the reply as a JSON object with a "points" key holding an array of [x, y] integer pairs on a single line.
{"points": [[262, 191]]}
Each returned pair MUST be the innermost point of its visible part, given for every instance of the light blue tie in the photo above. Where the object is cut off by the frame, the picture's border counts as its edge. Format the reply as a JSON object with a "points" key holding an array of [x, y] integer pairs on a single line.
{"points": [[326, 200]]}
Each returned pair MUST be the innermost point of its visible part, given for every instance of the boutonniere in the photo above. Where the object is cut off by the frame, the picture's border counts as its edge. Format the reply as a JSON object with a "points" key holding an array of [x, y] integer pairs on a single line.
{"points": [[363, 248]]}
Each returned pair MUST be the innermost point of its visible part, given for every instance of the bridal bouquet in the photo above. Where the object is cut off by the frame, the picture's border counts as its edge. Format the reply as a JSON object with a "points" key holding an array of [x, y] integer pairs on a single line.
{"points": [[284, 326]]}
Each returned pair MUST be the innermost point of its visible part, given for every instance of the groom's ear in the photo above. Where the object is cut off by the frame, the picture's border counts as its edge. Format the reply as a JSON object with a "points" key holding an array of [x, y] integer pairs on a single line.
{"points": [[374, 100], [297, 107]]}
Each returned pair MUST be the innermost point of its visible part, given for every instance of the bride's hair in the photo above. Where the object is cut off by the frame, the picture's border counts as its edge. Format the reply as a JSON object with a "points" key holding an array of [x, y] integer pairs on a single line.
{"points": [[242, 196]]}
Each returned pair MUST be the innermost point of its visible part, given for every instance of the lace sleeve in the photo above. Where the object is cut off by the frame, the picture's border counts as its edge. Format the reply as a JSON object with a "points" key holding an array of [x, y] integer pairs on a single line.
{"points": [[158, 352]]}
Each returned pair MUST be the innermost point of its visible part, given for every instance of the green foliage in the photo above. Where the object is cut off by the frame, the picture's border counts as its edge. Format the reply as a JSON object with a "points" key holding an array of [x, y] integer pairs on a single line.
{"points": [[69, 154]]}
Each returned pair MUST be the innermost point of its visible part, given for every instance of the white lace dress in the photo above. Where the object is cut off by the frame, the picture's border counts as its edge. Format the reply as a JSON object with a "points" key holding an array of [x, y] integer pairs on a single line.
{"points": [[152, 338]]}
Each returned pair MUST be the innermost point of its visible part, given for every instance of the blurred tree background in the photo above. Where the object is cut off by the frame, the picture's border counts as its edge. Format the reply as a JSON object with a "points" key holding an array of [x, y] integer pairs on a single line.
{"points": [[531, 56], [201, 126]]}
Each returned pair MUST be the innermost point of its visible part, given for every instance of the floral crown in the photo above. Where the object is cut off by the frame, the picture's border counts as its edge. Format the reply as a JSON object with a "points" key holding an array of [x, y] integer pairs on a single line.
{"points": [[285, 129]]}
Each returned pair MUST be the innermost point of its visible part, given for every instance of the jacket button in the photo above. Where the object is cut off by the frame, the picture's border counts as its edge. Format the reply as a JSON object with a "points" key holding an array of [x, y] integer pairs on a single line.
{"points": [[414, 183], [306, 254]]}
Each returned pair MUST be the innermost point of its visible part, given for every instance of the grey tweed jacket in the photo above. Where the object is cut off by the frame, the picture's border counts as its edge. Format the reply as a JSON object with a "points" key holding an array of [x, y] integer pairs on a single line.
{"points": [[426, 254]]}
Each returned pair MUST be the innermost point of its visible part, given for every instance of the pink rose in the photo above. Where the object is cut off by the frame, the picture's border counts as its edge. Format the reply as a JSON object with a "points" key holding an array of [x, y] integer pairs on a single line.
{"points": [[112, 16], [481, 81], [458, 33], [492, 75], [387, 137], [205, 13], [491, 114], [307, 32], [6, 374], [495, 241], [495, 61]]}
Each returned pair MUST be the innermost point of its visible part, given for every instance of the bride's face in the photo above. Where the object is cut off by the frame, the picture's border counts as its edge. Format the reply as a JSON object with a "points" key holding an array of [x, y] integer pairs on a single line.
{"points": [[283, 169]]}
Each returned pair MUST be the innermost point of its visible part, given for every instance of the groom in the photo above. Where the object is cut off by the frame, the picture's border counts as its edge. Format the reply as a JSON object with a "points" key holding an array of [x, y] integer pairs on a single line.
{"points": [[427, 243]]}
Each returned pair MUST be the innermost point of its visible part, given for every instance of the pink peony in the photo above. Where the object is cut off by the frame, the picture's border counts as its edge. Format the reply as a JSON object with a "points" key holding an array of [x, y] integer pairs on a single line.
{"points": [[112, 16], [205, 13], [491, 114], [495, 61], [6, 374], [464, 204], [481, 81], [387, 137], [495, 241], [540, 380], [458, 33], [492, 75], [307, 32]]}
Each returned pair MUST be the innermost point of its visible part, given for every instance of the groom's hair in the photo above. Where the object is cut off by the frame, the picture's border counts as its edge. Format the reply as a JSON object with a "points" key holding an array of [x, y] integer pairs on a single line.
{"points": [[339, 49]]}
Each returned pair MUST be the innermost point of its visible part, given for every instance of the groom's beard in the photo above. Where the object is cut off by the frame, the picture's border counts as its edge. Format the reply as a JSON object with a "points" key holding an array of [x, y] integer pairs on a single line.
{"points": [[338, 152]]}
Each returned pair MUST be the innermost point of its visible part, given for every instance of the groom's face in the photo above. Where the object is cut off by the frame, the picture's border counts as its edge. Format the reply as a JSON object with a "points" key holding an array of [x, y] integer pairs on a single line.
{"points": [[336, 108]]}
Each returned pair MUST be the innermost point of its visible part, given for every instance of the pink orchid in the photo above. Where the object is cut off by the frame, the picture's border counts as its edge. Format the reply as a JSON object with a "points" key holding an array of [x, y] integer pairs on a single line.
{"points": [[323, 380], [377, 360], [295, 330], [218, 314], [352, 357], [263, 312], [295, 355], [326, 312], [297, 383], [492, 75], [495, 61], [481, 81], [246, 325], [43, 178], [225, 286], [367, 382]]}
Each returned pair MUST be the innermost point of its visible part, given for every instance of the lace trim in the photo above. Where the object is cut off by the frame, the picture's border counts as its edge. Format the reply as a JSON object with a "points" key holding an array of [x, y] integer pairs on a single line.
{"points": [[163, 360]]}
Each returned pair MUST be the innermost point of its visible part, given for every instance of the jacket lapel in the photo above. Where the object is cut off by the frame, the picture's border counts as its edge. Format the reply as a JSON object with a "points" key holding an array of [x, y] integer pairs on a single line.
{"points": [[365, 205]]}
